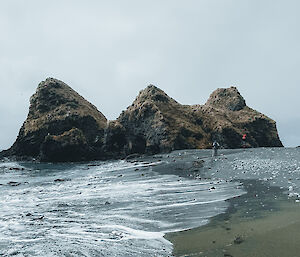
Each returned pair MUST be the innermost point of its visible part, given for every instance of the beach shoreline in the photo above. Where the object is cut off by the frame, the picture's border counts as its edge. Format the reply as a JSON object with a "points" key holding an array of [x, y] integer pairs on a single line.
{"points": [[262, 222]]}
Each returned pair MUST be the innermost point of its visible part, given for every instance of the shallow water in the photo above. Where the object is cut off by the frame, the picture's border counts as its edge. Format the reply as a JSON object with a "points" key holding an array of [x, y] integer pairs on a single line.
{"points": [[124, 208], [277, 166], [101, 208]]}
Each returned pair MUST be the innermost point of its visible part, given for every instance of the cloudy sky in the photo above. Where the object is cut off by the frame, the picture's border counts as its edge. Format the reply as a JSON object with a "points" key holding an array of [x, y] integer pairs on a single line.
{"points": [[109, 50]]}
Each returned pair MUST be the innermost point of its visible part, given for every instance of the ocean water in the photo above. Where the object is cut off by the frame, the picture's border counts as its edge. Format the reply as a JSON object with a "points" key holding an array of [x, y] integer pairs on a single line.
{"points": [[124, 208]]}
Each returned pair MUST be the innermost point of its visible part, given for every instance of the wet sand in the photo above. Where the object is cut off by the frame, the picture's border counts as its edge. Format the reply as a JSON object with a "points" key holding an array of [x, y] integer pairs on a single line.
{"points": [[261, 223]]}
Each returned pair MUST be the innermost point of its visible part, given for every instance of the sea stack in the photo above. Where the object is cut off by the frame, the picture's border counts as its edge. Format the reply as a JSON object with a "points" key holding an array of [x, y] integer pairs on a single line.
{"points": [[61, 126], [226, 117], [156, 123]]}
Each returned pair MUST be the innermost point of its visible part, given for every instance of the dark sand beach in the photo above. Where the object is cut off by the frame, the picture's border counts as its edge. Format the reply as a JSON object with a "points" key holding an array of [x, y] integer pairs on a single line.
{"points": [[261, 223]]}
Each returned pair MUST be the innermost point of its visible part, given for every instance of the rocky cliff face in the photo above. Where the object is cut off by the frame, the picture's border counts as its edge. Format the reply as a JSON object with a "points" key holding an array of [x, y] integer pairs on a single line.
{"points": [[63, 126], [228, 99], [157, 123], [226, 117]]}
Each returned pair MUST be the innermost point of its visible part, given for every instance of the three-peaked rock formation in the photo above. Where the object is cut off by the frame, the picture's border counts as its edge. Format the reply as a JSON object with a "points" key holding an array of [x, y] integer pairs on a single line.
{"points": [[63, 126]]}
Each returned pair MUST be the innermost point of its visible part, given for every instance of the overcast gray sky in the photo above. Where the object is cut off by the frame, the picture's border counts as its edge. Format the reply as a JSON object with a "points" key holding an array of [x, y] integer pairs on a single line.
{"points": [[109, 50]]}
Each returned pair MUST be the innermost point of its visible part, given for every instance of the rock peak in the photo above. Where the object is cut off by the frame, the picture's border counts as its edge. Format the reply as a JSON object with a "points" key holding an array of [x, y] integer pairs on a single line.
{"points": [[226, 98], [51, 83], [152, 86], [153, 94], [151, 90], [60, 123]]}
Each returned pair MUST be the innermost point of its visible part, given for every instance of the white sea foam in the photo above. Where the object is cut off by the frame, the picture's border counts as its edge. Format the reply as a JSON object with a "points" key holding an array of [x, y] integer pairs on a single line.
{"points": [[101, 209]]}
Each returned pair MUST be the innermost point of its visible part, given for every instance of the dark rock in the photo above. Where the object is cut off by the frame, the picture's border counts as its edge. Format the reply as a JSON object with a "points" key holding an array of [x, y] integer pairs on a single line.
{"points": [[226, 98], [70, 146], [156, 123], [59, 180], [13, 183], [238, 240], [62, 126], [14, 168], [226, 118], [115, 141]]}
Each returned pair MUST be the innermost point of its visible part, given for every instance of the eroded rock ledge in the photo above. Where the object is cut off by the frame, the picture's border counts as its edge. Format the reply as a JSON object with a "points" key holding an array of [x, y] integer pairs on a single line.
{"points": [[63, 126]]}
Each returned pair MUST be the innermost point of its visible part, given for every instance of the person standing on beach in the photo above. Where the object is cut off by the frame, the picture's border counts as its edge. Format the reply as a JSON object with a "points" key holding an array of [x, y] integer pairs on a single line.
{"points": [[244, 140], [216, 146]]}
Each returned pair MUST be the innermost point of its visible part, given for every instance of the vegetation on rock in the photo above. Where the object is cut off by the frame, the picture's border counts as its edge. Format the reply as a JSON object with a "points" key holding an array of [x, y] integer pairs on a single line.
{"points": [[63, 126], [55, 111]]}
